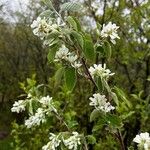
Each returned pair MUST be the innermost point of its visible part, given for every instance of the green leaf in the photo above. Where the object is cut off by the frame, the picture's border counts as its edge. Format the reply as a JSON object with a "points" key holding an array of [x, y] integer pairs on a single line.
{"points": [[89, 51], [105, 84], [94, 115], [91, 139], [58, 76], [31, 82], [78, 37], [48, 3], [122, 96], [53, 42], [115, 98], [100, 123], [51, 54], [70, 6], [99, 84], [53, 35], [113, 120], [70, 78], [107, 49], [126, 115], [77, 23], [30, 107], [99, 48], [46, 14], [72, 23]]}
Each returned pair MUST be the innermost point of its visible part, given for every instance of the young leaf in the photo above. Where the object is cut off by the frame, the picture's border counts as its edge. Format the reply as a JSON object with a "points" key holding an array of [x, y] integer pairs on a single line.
{"points": [[105, 84], [51, 54], [48, 3], [99, 124], [113, 120], [70, 78], [72, 22], [30, 107], [107, 49], [46, 14], [115, 98], [78, 37], [88, 50], [58, 76], [94, 114], [78, 24], [99, 84], [122, 96], [70, 6]]}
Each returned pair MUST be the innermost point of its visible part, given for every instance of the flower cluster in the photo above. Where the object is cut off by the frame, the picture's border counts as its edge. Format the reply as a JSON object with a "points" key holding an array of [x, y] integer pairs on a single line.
{"points": [[54, 142], [64, 54], [143, 141], [47, 106], [101, 71], [73, 141], [19, 106], [110, 30], [37, 119], [45, 100], [100, 103], [42, 27], [48, 102]]}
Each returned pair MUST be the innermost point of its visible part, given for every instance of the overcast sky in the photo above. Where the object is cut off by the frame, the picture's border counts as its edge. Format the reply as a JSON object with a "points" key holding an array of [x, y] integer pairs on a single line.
{"points": [[14, 4], [11, 6]]}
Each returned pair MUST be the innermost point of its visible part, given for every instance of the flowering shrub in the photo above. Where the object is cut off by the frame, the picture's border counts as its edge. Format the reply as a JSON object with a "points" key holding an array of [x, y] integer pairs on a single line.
{"points": [[76, 54]]}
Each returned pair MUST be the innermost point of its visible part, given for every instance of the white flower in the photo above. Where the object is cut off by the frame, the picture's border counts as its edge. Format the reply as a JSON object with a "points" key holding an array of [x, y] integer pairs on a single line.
{"points": [[72, 58], [54, 142], [18, 106], [42, 27], [55, 139], [110, 30], [48, 101], [73, 141], [45, 100], [37, 119], [100, 103], [60, 22], [47, 146], [29, 95], [100, 71], [143, 140], [76, 65], [62, 53]]}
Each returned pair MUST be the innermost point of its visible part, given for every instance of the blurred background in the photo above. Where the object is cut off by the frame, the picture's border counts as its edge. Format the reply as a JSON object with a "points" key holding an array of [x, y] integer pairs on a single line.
{"points": [[22, 53]]}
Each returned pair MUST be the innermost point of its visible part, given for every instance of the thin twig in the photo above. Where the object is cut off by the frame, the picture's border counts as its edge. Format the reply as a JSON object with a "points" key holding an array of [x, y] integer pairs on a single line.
{"points": [[87, 71], [120, 138], [61, 119]]}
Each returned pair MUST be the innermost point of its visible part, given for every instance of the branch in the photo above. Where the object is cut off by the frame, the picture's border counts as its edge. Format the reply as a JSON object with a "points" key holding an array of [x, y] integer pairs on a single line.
{"points": [[120, 138], [87, 71]]}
